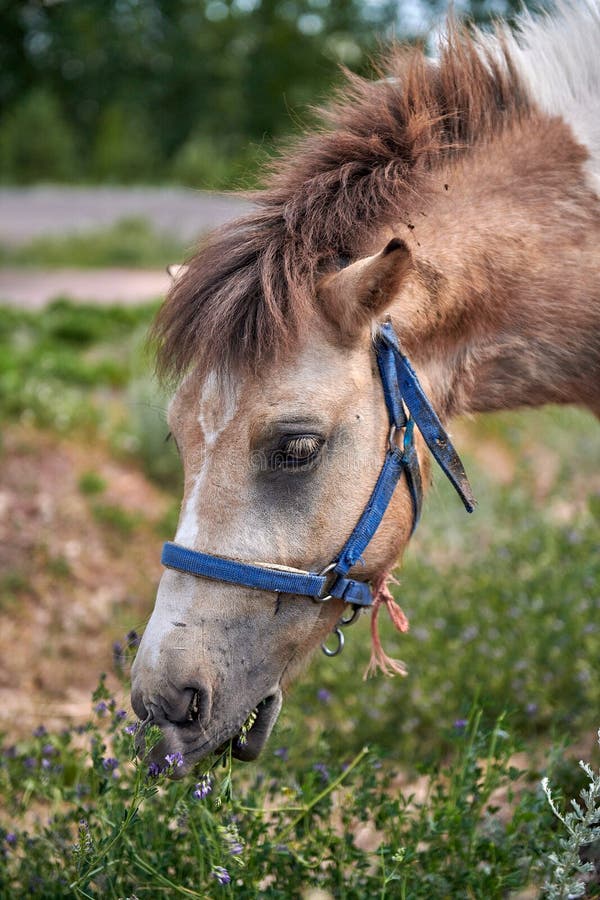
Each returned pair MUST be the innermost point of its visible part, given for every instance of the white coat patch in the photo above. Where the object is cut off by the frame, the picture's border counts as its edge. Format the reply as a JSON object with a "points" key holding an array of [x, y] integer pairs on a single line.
{"points": [[558, 57], [217, 407]]}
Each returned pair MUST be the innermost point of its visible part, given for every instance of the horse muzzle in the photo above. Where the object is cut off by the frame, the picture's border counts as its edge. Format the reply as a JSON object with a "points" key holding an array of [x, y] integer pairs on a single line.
{"points": [[200, 704]]}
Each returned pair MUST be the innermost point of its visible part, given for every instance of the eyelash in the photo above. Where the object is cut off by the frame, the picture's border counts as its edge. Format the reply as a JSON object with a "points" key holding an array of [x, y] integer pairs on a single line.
{"points": [[297, 453], [170, 437]]}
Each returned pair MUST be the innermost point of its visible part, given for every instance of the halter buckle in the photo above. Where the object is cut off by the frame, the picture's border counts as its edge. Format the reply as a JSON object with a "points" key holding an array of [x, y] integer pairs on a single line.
{"points": [[324, 598]]}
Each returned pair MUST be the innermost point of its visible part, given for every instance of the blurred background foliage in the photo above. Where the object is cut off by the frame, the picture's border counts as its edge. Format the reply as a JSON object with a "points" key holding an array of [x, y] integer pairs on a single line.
{"points": [[186, 91]]}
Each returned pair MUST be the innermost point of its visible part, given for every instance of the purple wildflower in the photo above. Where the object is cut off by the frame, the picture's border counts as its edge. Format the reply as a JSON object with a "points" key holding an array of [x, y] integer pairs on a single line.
{"points": [[174, 759], [110, 764], [133, 639], [204, 787], [323, 771], [531, 709], [30, 763], [40, 731], [232, 838], [48, 750], [132, 729], [461, 724], [101, 707], [324, 695], [120, 715], [11, 839], [154, 770], [221, 874], [282, 753], [45, 763]]}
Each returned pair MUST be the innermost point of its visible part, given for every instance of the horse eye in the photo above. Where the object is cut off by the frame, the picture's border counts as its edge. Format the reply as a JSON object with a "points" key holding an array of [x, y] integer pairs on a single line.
{"points": [[298, 452]]}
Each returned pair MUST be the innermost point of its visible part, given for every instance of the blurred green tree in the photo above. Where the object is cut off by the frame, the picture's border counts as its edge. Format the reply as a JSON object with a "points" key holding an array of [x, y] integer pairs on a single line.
{"points": [[145, 88], [36, 140], [124, 148]]}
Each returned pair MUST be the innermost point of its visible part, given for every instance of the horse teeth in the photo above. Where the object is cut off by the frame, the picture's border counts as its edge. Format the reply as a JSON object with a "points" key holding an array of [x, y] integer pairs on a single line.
{"points": [[194, 708]]}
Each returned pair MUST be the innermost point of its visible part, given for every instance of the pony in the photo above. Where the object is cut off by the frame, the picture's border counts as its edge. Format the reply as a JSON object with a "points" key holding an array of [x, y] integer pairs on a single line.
{"points": [[455, 200]]}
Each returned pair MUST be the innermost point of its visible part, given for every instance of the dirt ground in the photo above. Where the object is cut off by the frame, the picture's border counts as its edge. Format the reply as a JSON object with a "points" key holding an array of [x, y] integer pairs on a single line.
{"points": [[71, 582], [34, 288]]}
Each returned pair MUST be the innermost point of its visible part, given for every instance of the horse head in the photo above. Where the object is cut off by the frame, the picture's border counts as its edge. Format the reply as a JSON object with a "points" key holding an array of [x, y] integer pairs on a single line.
{"points": [[279, 464]]}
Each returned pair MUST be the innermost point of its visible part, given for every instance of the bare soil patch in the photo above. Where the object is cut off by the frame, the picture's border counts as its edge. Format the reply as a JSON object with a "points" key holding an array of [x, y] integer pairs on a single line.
{"points": [[71, 581]]}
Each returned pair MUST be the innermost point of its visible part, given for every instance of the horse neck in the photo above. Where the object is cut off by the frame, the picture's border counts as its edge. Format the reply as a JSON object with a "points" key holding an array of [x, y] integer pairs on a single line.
{"points": [[503, 307]]}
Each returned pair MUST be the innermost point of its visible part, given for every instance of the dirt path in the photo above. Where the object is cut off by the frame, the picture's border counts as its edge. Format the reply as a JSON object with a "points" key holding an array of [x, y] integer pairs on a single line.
{"points": [[34, 288], [26, 213]]}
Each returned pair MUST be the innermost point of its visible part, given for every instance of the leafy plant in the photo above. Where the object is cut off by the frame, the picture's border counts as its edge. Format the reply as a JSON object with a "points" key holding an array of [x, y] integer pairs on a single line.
{"points": [[582, 825]]}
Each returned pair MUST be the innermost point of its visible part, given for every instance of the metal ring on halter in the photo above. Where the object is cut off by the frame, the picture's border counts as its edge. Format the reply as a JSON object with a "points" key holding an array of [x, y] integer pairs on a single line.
{"points": [[324, 571], [344, 623], [340, 644]]}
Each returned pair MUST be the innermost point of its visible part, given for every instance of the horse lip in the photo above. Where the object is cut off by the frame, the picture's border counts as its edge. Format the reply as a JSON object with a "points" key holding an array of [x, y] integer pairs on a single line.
{"points": [[178, 738], [267, 712]]}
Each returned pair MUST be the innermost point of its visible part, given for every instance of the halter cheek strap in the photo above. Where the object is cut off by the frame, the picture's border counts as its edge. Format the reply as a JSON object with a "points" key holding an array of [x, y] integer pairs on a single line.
{"points": [[435, 436], [401, 388]]}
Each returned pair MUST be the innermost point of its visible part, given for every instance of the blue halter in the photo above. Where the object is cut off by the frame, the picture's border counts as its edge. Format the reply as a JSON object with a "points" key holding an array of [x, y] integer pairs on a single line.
{"points": [[401, 389]]}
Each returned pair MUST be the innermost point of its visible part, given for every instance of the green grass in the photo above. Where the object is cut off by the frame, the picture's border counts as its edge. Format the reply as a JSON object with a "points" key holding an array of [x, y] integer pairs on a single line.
{"points": [[502, 656], [130, 242], [91, 483], [13, 584], [117, 829], [108, 825], [115, 518], [58, 368], [84, 370]]}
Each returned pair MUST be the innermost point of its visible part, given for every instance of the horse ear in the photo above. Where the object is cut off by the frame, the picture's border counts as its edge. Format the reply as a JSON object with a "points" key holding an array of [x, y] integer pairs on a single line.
{"points": [[175, 271], [354, 296]]}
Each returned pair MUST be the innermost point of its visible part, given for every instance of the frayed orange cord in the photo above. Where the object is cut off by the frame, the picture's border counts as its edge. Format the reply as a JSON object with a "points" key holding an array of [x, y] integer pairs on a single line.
{"points": [[379, 658]]}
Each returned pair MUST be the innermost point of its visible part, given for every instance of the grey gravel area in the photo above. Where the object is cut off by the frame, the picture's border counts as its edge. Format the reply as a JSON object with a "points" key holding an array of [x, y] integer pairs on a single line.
{"points": [[26, 213]]}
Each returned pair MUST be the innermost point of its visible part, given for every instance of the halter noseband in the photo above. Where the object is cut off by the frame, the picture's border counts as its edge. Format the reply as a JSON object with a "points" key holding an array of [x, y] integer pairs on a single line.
{"points": [[401, 388]]}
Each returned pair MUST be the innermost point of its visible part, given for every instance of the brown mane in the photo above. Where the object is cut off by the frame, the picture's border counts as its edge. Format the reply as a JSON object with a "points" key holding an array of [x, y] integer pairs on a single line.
{"points": [[249, 292]]}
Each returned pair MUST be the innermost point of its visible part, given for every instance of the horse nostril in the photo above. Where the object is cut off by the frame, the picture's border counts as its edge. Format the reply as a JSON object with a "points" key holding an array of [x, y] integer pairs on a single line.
{"points": [[192, 705]]}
